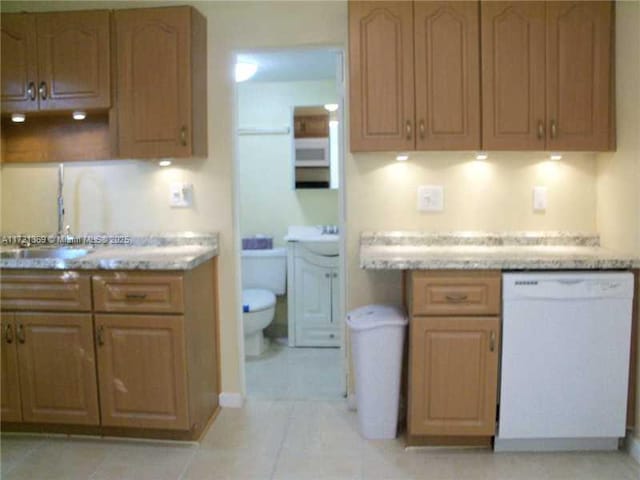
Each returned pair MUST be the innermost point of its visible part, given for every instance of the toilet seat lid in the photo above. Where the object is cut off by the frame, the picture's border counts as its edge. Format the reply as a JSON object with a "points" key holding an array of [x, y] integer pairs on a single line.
{"points": [[254, 299]]}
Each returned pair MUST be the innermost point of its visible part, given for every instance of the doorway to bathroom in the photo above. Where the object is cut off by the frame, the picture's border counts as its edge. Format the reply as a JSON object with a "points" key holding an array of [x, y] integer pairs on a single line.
{"points": [[289, 112]]}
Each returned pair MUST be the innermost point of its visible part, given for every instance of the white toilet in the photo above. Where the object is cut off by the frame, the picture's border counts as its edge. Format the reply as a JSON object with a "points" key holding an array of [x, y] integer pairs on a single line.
{"points": [[264, 275]]}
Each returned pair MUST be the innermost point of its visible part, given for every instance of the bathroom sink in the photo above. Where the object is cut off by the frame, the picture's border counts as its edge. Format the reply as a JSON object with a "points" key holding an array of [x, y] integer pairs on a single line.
{"points": [[314, 240], [327, 248], [59, 253]]}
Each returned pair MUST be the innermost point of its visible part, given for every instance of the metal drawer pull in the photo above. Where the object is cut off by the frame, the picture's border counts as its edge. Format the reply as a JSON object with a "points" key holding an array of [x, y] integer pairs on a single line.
{"points": [[20, 333], [183, 136], [540, 130], [421, 128], [8, 334], [42, 89], [456, 298], [409, 130], [492, 341], [31, 91], [554, 129], [136, 296], [100, 335]]}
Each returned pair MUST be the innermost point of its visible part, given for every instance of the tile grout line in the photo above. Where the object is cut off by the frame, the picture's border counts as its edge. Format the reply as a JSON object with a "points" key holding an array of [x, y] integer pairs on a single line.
{"points": [[284, 437], [29, 453], [188, 463]]}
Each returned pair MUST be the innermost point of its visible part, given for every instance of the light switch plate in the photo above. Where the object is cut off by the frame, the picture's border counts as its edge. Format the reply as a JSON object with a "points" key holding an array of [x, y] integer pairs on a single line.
{"points": [[180, 194], [430, 198], [539, 199]]}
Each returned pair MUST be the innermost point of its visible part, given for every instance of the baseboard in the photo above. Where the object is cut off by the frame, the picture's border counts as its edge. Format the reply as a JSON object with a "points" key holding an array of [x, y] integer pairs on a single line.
{"points": [[231, 400], [555, 444], [633, 446]]}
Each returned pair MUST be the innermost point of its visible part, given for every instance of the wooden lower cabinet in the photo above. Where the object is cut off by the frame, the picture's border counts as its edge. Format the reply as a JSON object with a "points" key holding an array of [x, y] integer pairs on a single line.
{"points": [[142, 371], [57, 368], [11, 410], [453, 376]]}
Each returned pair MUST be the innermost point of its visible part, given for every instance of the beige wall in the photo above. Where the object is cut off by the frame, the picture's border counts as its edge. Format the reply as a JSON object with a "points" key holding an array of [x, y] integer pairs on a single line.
{"points": [[269, 207], [132, 196], [618, 185]]}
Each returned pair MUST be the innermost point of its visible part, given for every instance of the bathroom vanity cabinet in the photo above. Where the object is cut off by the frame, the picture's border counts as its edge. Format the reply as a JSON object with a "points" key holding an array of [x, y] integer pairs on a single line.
{"points": [[114, 353], [313, 297]]}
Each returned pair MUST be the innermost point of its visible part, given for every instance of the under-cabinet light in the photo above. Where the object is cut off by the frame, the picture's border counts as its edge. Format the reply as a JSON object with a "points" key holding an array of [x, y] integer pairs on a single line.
{"points": [[18, 117], [79, 115], [164, 163]]}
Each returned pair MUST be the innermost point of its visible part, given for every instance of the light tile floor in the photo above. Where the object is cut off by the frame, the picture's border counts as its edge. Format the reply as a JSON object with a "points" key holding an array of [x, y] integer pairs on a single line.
{"points": [[295, 373], [290, 440]]}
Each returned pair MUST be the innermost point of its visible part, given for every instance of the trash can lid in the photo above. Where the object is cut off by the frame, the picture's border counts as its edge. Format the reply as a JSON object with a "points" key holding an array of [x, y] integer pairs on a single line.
{"points": [[375, 316]]}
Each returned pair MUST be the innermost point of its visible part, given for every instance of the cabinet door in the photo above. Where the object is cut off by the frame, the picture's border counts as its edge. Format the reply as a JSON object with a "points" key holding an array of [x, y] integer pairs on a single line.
{"points": [[312, 126], [313, 307], [11, 407], [447, 75], [381, 76], [453, 375], [73, 60], [57, 368], [579, 75], [19, 68], [142, 371], [154, 86], [513, 75]]}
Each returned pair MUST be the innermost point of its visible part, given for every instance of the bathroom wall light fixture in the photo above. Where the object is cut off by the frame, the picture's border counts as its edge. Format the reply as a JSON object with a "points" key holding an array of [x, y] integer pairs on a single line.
{"points": [[18, 117], [164, 163], [79, 115], [244, 71], [482, 156], [555, 156], [331, 107], [402, 157]]}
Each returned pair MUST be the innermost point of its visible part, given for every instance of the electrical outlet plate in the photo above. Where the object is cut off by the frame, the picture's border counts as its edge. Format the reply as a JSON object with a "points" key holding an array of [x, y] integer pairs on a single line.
{"points": [[540, 199], [180, 195], [430, 198]]}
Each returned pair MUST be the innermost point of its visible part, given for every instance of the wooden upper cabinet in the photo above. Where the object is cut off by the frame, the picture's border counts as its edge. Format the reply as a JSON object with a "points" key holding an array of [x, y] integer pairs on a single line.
{"points": [[142, 371], [161, 82], [382, 105], [10, 389], [453, 375], [513, 75], [57, 368], [447, 75], [73, 60], [19, 63], [579, 75]]}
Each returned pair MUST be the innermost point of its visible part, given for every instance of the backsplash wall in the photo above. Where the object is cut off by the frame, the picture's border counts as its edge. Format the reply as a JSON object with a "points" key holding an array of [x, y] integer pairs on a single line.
{"points": [[494, 195]]}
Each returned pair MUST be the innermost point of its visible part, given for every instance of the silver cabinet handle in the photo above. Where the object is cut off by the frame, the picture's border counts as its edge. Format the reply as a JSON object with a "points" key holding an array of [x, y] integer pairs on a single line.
{"points": [[8, 333], [492, 341], [42, 89], [421, 128], [327, 275], [100, 335], [554, 129], [540, 130], [135, 296], [183, 136], [31, 91], [409, 130], [20, 333]]}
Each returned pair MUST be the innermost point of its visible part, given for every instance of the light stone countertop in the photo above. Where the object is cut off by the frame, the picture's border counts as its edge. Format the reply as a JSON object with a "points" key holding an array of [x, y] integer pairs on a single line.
{"points": [[499, 251], [183, 251]]}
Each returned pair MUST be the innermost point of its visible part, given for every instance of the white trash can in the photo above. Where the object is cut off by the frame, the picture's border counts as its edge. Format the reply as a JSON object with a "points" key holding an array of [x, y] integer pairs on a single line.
{"points": [[377, 340]]}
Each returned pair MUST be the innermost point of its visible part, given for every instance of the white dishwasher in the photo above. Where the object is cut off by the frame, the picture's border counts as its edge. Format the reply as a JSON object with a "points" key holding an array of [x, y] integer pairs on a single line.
{"points": [[565, 360]]}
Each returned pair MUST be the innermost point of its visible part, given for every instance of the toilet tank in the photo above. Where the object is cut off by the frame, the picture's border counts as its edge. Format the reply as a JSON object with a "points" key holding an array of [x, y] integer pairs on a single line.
{"points": [[265, 269]]}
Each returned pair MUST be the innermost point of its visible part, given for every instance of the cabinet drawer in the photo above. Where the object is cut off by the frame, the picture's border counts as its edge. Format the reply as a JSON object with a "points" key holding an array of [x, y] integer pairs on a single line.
{"points": [[456, 293], [138, 292], [49, 291]]}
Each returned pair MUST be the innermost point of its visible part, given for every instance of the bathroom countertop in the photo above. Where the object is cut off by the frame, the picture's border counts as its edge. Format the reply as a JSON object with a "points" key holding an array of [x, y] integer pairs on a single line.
{"points": [[398, 250], [175, 251]]}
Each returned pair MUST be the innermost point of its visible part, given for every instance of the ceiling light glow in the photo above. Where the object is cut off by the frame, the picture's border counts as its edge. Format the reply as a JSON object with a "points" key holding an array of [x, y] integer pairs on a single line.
{"points": [[244, 71], [482, 156], [402, 157], [555, 156], [331, 107], [164, 163]]}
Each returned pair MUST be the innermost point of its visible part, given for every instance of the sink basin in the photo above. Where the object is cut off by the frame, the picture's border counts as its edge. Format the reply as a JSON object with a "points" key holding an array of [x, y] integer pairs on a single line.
{"points": [[60, 253], [325, 248], [313, 240]]}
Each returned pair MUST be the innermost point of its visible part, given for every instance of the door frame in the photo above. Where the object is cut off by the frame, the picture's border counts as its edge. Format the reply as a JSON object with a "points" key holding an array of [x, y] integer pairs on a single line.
{"points": [[341, 80]]}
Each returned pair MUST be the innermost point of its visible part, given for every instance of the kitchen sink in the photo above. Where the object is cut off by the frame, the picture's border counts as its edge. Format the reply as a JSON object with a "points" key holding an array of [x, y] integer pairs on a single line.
{"points": [[59, 253]]}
